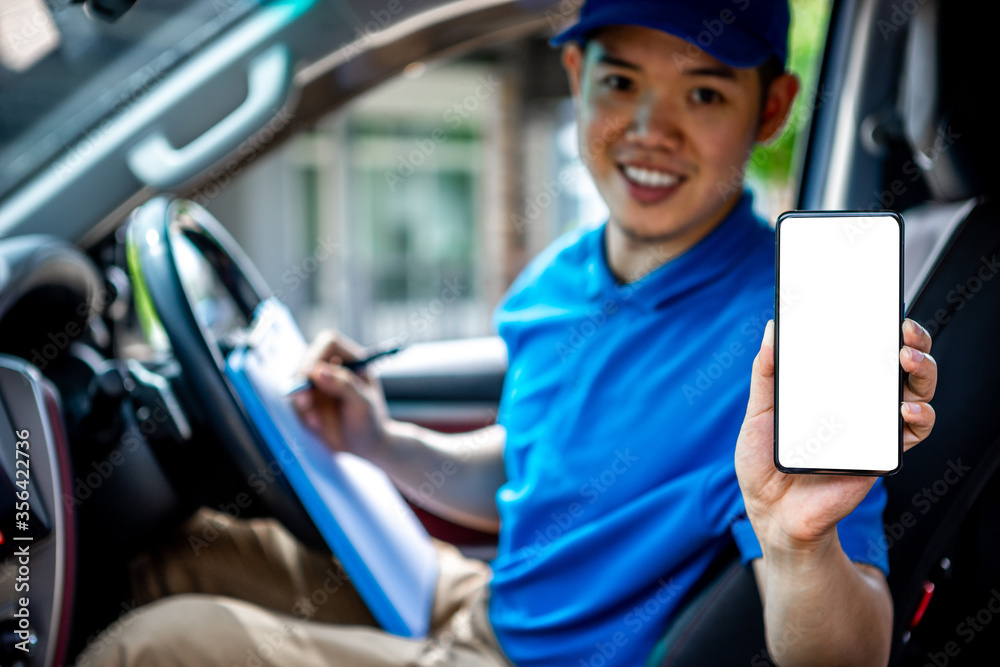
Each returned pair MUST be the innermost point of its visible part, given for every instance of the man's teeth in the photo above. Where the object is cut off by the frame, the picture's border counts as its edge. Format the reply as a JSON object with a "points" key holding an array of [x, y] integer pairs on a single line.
{"points": [[650, 178]]}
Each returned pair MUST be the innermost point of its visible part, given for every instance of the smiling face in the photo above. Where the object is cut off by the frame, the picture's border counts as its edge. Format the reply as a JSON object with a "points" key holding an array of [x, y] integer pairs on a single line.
{"points": [[666, 135]]}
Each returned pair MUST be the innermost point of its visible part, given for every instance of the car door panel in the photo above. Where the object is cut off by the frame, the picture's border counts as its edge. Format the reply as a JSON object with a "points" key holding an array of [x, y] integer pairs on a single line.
{"points": [[125, 153]]}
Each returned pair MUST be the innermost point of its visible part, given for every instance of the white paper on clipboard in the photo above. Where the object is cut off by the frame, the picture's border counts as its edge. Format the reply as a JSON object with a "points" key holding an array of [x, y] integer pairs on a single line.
{"points": [[383, 547]]}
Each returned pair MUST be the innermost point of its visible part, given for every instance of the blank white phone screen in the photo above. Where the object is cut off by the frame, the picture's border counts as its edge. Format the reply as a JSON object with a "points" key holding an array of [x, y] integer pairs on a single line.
{"points": [[837, 346]]}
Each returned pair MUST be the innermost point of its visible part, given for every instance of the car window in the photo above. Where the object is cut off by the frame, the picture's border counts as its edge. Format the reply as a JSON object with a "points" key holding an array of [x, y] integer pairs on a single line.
{"points": [[409, 212], [773, 170], [62, 71], [394, 211]]}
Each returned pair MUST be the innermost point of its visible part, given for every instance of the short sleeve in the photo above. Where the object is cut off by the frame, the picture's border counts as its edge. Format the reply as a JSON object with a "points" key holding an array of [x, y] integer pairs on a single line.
{"points": [[860, 532]]}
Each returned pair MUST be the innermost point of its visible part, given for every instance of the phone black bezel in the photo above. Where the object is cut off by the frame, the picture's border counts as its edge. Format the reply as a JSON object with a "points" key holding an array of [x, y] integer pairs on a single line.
{"points": [[777, 328]]}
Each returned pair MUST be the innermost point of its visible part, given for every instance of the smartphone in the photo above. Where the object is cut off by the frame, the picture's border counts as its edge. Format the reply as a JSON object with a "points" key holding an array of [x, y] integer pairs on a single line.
{"points": [[838, 384]]}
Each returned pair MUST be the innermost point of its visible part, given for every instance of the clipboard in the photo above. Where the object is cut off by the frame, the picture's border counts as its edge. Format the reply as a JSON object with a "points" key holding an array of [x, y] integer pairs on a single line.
{"points": [[381, 544]]}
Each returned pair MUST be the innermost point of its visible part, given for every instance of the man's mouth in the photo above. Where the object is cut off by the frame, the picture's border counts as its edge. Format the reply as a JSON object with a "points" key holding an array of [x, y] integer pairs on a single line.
{"points": [[648, 185]]}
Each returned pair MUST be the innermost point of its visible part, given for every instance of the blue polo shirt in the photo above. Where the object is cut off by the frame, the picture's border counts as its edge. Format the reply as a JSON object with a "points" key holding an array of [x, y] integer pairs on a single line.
{"points": [[622, 405]]}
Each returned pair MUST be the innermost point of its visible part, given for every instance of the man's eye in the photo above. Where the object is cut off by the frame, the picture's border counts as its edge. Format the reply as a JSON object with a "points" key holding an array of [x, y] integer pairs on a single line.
{"points": [[705, 96], [618, 82]]}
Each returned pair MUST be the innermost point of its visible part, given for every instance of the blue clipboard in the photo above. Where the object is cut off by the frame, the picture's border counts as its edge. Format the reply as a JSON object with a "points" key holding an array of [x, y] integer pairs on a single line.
{"points": [[381, 544]]}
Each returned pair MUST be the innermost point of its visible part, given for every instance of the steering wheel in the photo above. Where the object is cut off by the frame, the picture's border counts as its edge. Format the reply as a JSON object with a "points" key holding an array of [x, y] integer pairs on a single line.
{"points": [[168, 240]]}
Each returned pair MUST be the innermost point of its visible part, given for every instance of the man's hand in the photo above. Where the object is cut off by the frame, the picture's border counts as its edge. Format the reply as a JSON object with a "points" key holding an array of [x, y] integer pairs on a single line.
{"points": [[798, 510], [837, 612], [346, 409]]}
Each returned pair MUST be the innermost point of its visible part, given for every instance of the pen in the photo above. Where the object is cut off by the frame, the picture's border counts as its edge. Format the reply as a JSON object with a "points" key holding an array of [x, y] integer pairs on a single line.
{"points": [[354, 365]]}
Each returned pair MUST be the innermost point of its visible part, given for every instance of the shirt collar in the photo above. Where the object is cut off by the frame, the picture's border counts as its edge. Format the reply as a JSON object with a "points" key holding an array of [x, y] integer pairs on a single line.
{"points": [[703, 263]]}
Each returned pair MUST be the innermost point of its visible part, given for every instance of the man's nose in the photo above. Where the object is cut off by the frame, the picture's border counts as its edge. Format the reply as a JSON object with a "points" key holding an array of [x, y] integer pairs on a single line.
{"points": [[655, 121]]}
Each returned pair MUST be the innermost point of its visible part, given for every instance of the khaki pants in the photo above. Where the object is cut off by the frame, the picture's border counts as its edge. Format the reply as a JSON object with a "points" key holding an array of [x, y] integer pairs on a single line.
{"points": [[246, 593]]}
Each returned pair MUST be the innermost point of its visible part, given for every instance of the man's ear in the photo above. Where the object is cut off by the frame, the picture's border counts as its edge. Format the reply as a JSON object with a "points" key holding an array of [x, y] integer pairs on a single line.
{"points": [[779, 103], [572, 60]]}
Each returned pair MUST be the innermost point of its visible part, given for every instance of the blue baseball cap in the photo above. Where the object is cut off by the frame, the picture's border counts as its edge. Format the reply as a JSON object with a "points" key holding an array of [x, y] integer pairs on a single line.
{"points": [[740, 33]]}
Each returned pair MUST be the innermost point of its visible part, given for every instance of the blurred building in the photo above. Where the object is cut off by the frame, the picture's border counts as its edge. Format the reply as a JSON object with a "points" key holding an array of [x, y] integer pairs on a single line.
{"points": [[411, 211]]}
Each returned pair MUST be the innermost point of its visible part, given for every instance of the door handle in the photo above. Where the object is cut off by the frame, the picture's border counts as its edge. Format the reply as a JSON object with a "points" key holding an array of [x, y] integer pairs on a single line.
{"points": [[156, 162]]}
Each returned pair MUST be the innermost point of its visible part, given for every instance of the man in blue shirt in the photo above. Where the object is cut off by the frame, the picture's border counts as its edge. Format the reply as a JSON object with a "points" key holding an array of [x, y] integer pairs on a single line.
{"points": [[611, 477]]}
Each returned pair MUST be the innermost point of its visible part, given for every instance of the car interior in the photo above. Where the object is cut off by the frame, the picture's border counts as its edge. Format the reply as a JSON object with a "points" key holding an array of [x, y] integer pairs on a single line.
{"points": [[904, 120], [898, 123]]}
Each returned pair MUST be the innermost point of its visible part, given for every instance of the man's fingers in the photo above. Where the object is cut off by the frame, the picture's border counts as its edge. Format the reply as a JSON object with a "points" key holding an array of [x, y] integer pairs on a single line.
{"points": [[334, 380], [916, 336], [919, 418], [303, 401], [762, 376], [922, 381], [305, 405], [920, 385], [327, 345]]}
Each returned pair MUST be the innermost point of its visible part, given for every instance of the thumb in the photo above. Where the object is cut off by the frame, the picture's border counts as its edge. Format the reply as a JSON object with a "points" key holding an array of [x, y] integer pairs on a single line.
{"points": [[762, 376]]}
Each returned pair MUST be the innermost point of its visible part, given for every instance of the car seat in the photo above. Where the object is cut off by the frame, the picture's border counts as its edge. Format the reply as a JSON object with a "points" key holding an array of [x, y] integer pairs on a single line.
{"points": [[942, 520]]}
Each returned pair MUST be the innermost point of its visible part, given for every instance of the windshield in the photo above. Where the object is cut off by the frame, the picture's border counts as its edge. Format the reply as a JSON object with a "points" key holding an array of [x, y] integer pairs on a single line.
{"points": [[63, 71]]}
